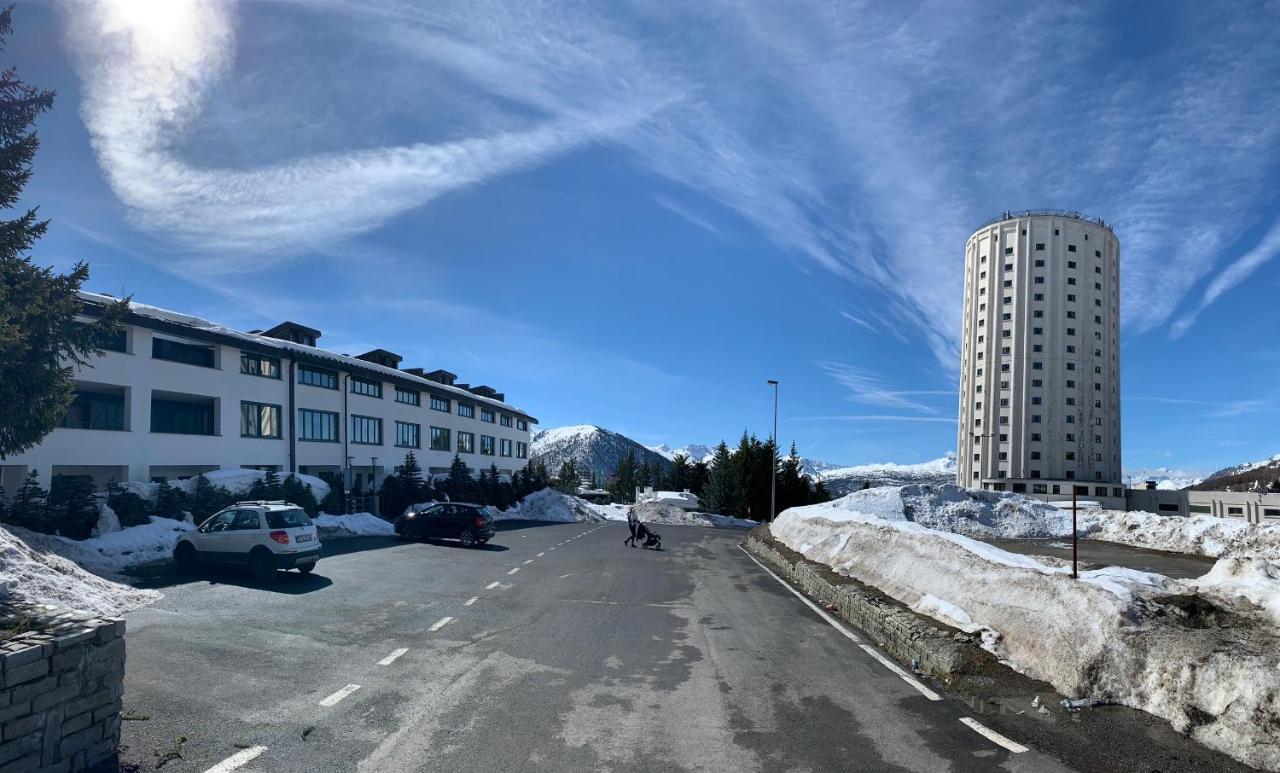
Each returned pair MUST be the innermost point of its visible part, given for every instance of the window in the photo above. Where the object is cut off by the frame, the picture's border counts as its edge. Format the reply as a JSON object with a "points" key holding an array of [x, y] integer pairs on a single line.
{"points": [[522, 425], [366, 430], [1071, 280], [1071, 365], [317, 426], [466, 442], [259, 420], [1006, 316], [1037, 331], [1071, 331], [1037, 365], [466, 410], [1008, 283], [504, 447], [486, 445], [1071, 264], [407, 434], [439, 439], [1008, 267], [1035, 400], [1037, 382], [1071, 297], [1235, 511], [182, 417], [506, 420], [367, 387], [1004, 456], [1008, 250], [1071, 420], [1200, 508], [259, 365], [1037, 347], [486, 414], [1071, 248], [117, 340], [440, 403], [1071, 383], [1039, 280], [522, 452], [1038, 314], [1038, 297], [190, 354], [408, 397], [1019, 488], [1038, 488], [982, 275], [1039, 246], [1008, 299], [1035, 454], [1035, 418], [1097, 254], [326, 379], [94, 410]]}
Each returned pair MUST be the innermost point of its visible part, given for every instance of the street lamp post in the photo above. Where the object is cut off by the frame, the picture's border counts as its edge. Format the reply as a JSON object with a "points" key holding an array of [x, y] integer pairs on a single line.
{"points": [[773, 478]]}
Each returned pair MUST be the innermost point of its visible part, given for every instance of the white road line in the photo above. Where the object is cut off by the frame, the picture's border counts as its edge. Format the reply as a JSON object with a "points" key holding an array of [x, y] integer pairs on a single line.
{"points": [[540, 555], [470, 601], [925, 691], [895, 668], [530, 561], [513, 571], [237, 760], [441, 623], [388, 660], [993, 736], [339, 695], [491, 585]]}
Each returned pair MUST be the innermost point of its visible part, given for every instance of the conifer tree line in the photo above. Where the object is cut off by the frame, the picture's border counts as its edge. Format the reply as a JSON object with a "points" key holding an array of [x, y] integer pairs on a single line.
{"points": [[408, 486], [732, 483]]}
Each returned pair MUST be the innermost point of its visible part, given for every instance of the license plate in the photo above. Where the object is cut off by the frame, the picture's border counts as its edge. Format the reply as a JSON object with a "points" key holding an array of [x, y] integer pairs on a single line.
{"points": [[304, 538]]}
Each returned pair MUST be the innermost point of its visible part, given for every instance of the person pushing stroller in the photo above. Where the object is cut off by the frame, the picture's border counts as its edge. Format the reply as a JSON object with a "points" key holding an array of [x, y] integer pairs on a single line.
{"points": [[646, 537]]}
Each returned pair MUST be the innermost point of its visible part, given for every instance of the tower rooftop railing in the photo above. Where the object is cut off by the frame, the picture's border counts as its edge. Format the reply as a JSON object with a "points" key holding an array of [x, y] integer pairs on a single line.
{"points": [[1015, 214]]}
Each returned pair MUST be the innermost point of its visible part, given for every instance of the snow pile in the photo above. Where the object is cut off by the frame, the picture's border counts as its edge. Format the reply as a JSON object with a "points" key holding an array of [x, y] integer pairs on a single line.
{"points": [[40, 576], [947, 507], [1202, 535], [1120, 635], [236, 480], [352, 525], [112, 553], [1256, 580], [550, 505], [666, 514]]}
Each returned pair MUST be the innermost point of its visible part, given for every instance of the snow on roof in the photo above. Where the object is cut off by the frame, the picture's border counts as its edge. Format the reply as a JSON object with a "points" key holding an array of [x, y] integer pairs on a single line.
{"points": [[204, 325]]}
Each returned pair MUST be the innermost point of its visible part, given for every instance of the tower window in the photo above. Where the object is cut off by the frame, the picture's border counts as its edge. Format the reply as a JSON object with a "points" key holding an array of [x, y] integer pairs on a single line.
{"points": [[1071, 248]]}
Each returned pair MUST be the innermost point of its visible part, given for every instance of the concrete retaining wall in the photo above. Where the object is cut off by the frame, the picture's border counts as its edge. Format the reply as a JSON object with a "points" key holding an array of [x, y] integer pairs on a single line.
{"points": [[60, 687], [917, 641]]}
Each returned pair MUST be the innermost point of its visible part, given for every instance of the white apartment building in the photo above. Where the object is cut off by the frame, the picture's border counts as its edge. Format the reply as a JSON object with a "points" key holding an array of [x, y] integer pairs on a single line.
{"points": [[176, 395], [1040, 367]]}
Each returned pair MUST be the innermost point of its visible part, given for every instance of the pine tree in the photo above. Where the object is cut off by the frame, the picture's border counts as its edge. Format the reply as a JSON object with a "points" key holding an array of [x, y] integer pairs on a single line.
{"points": [[30, 505], [130, 508], [625, 479], [567, 480], [293, 490], [459, 485], [73, 512], [411, 481], [720, 494], [820, 493], [208, 498], [335, 502], [793, 486], [698, 476], [644, 474], [171, 502], [40, 339], [679, 477]]}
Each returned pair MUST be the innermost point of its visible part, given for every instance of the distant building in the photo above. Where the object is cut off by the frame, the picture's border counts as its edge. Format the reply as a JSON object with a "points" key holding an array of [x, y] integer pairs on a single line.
{"points": [[175, 395], [1040, 368], [686, 500], [1241, 505]]}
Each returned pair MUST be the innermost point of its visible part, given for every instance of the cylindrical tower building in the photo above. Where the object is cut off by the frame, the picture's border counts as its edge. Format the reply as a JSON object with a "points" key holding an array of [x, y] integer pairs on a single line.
{"points": [[1040, 362]]}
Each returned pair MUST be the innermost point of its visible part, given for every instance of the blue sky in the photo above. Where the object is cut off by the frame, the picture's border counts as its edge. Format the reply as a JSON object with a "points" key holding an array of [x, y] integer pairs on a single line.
{"points": [[633, 214]]}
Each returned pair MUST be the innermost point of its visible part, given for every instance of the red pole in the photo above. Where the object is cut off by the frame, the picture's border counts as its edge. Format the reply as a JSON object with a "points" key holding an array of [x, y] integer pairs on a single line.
{"points": [[1074, 539]]}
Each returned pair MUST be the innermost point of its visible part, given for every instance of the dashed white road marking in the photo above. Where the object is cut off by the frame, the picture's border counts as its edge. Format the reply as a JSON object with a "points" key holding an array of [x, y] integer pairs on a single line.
{"points": [[339, 695], [992, 735], [513, 571], [530, 561], [540, 555], [237, 760], [889, 664], [388, 660], [470, 601], [491, 585], [441, 623]]}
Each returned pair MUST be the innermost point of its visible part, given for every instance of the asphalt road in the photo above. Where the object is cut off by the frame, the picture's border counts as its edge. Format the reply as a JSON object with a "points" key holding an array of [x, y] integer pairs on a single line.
{"points": [[556, 648], [1094, 554]]}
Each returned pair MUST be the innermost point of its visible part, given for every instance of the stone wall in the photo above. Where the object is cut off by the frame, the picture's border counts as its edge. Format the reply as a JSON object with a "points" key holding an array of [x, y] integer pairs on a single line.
{"points": [[915, 640], [61, 678]]}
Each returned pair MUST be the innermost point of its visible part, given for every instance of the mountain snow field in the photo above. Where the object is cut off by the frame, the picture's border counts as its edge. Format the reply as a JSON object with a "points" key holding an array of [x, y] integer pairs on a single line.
{"points": [[1203, 654]]}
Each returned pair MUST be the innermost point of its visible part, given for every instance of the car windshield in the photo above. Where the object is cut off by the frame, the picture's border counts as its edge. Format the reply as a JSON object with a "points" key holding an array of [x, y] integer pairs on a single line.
{"points": [[284, 519]]}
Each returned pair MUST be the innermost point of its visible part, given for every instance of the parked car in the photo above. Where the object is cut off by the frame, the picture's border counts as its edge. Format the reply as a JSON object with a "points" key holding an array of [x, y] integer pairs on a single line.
{"points": [[469, 524], [264, 536]]}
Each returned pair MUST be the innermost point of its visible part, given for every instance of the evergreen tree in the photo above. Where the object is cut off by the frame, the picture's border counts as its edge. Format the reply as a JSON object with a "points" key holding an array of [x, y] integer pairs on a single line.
{"points": [[720, 493], [820, 493], [40, 339], [793, 486], [459, 485], [644, 474], [504, 493], [567, 480], [208, 498], [73, 512], [295, 491], [131, 509], [171, 502], [625, 479], [335, 502], [412, 483], [540, 479], [271, 482], [698, 475], [4, 507], [680, 475], [30, 505]]}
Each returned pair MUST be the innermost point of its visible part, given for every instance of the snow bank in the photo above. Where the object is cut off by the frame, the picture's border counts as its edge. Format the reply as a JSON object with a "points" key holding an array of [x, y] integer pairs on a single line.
{"points": [[667, 514], [1256, 580], [112, 553], [1124, 636], [1202, 535], [550, 505], [971, 512], [39, 576], [235, 480], [352, 525]]}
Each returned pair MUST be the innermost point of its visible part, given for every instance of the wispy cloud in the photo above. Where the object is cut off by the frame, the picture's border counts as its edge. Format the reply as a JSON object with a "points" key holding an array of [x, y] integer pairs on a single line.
{"points": [[867, 387], [879, 417], [1215, 409], [1232, 275], [858, 321]]}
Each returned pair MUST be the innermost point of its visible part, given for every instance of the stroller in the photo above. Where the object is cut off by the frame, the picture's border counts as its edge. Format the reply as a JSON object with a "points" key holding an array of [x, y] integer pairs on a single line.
{"points": [[648, 538]]}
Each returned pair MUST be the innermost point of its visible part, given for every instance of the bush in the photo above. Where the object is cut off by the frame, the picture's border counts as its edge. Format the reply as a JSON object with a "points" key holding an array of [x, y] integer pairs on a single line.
{"points": [[334, 502], [30, 506], [170, 502], [131, 509], [208, 499], [299, 493], [72, 508]]}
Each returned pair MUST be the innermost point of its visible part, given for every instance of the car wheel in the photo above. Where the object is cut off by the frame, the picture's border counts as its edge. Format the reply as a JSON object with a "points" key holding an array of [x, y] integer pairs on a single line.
{"points": [[184, 555], [262, 566], [306, 568], [467, 538]]}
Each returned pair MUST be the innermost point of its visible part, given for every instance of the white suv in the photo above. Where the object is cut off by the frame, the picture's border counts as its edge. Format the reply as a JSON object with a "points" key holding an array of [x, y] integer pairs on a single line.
{"points": [[265, 536]]}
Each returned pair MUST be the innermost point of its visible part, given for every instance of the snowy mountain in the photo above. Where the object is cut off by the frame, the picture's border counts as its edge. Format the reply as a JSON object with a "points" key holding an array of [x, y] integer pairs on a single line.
{"points": [[842, 480], [1165, 478], [1262, 475], [697, 452], [590, 447]]}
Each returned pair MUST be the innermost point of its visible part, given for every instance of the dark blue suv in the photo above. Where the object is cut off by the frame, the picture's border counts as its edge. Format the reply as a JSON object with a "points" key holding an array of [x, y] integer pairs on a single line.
{"points": [[469, 524]]}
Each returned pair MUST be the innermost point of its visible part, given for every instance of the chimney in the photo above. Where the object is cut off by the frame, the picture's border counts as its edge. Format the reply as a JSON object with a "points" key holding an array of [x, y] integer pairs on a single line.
{"points": [[419, 372], [442, 377]]}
